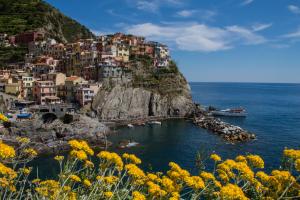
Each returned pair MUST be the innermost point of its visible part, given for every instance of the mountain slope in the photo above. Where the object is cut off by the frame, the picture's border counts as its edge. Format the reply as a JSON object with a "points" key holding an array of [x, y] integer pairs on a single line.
{"points": [[17, 16]]}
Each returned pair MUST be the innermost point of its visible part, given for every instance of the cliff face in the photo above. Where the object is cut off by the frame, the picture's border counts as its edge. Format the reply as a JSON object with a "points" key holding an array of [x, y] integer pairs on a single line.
{"points": [[169, 98], [130, 103]]}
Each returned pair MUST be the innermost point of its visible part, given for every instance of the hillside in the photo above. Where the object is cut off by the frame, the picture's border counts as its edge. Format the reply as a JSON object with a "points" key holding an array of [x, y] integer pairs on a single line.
{"points": [[18, 16]]}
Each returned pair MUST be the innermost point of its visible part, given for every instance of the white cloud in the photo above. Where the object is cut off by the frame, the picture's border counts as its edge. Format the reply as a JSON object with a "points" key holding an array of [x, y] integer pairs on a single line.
{"points": [[294, 9], [197, 37], [201, 14], [186, 13], [247, 2], [153, 5], [261, 27], [295, 34]]}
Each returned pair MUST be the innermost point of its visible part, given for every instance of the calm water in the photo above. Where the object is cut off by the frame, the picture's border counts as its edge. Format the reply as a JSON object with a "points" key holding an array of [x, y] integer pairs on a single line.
{"points": [[274, 116]]}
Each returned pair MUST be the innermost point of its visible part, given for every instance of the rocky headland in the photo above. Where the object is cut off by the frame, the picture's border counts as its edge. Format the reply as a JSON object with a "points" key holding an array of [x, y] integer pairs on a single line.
{"points": [[53, 136]]}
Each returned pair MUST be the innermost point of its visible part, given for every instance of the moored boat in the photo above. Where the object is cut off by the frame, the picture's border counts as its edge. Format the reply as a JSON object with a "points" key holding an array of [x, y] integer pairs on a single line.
{"points": [[234, 112]]}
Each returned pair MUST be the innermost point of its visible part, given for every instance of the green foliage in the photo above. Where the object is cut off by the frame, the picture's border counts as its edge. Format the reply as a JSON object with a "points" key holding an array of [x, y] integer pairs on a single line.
{"points": [[18, 16], [11, 54]]}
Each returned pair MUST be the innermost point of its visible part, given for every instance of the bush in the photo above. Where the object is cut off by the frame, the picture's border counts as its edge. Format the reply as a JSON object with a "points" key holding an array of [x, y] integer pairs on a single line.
{"points": [[119, 177]]}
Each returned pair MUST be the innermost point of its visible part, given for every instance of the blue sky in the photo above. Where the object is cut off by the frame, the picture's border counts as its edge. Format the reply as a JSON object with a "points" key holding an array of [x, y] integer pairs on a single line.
{"points": [[211, 40]]}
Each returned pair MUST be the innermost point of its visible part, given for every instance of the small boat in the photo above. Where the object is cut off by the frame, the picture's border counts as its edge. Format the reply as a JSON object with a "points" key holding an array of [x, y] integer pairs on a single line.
{"points": [[234, 112], [155, 122], [24, 115], [130, 126]]}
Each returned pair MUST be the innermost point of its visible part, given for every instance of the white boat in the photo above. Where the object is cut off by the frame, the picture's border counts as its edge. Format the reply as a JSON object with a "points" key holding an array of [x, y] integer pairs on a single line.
{"points": [[130, 126], [155, 122], [235, 112]]}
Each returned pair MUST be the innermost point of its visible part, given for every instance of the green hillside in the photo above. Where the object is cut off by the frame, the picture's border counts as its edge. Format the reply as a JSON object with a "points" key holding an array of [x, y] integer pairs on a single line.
{"points": [[17, 16]]}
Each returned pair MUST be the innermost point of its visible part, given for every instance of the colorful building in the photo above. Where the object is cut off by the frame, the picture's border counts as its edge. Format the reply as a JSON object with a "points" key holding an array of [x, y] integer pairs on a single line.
{"points": [[44, 92]]}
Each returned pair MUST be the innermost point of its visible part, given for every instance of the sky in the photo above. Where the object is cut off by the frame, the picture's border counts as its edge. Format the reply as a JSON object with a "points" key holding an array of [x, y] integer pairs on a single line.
{"points": [[211, 40]]}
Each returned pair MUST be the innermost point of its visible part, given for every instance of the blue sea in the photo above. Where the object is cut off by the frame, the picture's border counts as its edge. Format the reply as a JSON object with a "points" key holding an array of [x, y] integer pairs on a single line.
{"points": [[273, 115]]}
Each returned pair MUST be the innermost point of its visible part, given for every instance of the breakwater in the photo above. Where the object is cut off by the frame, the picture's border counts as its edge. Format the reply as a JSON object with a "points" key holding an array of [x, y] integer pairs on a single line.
{"points": [[227, 131]]}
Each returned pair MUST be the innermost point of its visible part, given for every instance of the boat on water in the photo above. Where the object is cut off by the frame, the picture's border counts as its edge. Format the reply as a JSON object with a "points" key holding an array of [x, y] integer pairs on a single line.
{"points": [[231, 112], [130, 126], [155, 122]]}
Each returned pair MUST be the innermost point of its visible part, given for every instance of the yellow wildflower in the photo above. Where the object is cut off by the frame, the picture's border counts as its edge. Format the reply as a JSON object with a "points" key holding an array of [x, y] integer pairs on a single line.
{"points": [[79, 154], [152, 177], [7, 172], [155, 190], [207, 176], [134, 171], [194, 182], [87, 183], [108, 194], [6, 151], [292, 153], [49, 189], [263, 176], [256, 161], [81, 145], [108, 179], [215, 157], [132, 158], [72, 196], [111, 158], [297, 165], [241, 159], [232, 192], [138, 196], [23, 140], [30, 152], [88, 164], [59, 158], [75, 178]]}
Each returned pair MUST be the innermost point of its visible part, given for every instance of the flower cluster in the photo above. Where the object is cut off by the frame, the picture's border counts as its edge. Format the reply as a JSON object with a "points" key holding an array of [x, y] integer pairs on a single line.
{"points": [[120, 177]]}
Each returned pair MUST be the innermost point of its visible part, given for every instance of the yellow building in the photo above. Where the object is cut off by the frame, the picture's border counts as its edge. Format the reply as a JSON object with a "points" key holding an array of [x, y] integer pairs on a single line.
{"points": [[13, 89]]}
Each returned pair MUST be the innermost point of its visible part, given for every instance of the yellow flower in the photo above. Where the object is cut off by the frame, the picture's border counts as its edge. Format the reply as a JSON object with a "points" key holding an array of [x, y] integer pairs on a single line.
{"points": [[241, 159], [108, 179], [297, 165], [132, 158], [26, 170], [59, 158], [72, 196], [232, 192], [7, 172], [23, 140], [81, 145], [87, 183], [155, 190], [88, 164], [152, 177], [108, 194], [75, 178], [256, 161], [67, 188], [292, 153], [138, 196], [207, 176], [263, 176], [215, 157], [111, 158], [49, 189], [194, 182], [30, 152], [134, 171], [6, 151], [79, 154]]}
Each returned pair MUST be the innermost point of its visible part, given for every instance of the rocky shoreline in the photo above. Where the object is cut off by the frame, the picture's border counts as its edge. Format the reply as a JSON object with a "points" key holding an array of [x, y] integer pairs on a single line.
{"points": [[227, 131], [53, 137]]}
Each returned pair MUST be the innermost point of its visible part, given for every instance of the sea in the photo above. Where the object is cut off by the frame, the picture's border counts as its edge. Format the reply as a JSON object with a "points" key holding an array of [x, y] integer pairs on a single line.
{"points": [[273, 116]]}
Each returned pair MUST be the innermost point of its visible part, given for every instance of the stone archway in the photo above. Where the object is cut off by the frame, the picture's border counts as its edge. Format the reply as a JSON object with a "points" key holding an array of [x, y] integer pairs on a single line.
{"points": [[49, 117]]}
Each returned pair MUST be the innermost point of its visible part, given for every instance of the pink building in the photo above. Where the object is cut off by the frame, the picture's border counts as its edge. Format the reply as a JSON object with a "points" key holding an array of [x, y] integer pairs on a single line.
{"points": [[86, 93], [44, 92]]}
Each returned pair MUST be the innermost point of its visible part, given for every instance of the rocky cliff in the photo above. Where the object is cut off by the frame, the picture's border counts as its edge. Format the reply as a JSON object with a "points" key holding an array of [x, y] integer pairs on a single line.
{"points": [[155, 94]]}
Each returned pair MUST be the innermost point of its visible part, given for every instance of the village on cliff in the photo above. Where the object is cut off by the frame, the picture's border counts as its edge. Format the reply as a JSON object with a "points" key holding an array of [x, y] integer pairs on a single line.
{"points": [[60, 75]]}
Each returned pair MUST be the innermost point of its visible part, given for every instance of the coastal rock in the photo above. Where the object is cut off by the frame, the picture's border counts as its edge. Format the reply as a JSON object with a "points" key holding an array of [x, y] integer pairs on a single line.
{"points": [[123, 103], [229, 132]]}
